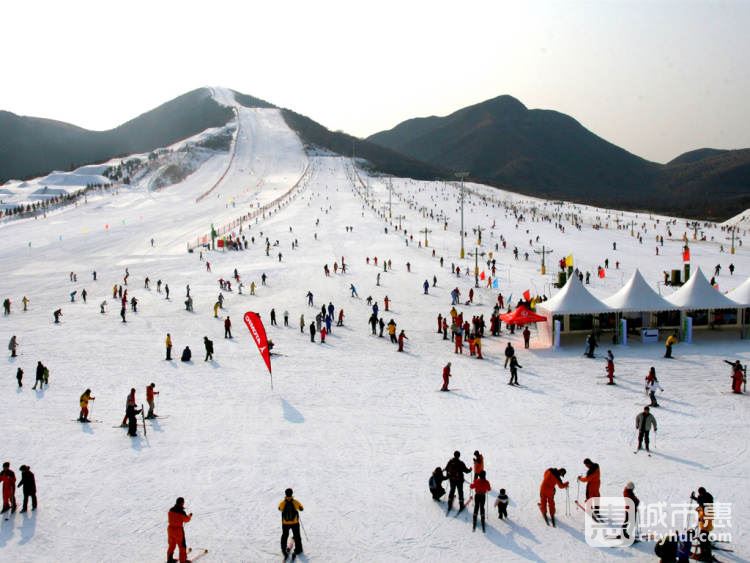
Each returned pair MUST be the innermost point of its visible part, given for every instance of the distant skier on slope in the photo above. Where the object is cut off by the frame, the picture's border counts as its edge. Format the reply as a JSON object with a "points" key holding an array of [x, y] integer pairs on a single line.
{"points": [[84, 404]]}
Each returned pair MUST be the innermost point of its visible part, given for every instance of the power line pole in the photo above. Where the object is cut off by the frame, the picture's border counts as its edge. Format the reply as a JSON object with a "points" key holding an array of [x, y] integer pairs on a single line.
{"points": [[399, 217], [476, 254], [462, 176], [425, 231], [733, 228], [544, 251]]}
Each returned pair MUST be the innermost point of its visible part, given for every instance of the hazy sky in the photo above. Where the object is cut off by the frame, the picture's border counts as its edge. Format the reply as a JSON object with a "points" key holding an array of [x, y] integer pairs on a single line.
{"points": [[655, 77]]}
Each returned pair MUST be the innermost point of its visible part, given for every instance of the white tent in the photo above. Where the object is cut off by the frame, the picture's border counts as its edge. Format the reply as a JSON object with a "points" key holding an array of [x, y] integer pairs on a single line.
{"points": [[636, 296], [742, 294], [574, 299], [698, 293]]}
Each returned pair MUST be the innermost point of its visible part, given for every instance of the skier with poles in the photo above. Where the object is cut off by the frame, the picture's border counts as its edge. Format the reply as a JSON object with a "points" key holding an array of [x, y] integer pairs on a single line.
{"points": [[552, 478], [644, 422], [150, 400], [290, 521], [593, 482], [84, 403], [481, 487], [177, 518], [455, 470]]}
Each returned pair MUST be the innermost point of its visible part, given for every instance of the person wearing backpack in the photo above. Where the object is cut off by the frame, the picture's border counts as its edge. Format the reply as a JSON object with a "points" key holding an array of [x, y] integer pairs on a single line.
{"points": [[290, 508], [455, 470]]}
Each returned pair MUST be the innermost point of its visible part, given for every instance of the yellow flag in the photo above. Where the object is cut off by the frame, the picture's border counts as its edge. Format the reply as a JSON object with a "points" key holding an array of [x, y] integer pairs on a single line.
{"points": [[569, 260]]}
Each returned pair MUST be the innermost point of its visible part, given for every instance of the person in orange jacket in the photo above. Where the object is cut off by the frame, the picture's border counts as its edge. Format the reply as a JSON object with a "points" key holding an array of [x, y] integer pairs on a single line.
{"points": [[177, 518], [84, 404], [478, 346], [446, 376], [290, 508], [552, 478], [592, 480], [481, 487], [478, 463], [401, 338], [150, 392]]}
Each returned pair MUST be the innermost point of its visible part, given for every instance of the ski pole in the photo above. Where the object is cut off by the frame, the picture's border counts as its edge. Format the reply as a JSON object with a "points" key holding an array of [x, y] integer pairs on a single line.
{"points": [[307, 539], [567, 502]]}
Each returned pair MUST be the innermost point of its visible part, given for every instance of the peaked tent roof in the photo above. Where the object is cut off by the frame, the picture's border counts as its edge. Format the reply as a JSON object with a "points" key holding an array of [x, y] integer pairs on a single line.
{"points": [[574, 299], [742, 294], [522, 316], [698, 293], [636, 296]]}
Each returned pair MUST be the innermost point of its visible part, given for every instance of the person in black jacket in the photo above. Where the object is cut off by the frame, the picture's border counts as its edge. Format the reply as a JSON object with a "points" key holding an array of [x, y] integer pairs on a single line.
{"points": [[209, 348], [186, 354], [703, 497], [39, 375], [131, 412], [29, 487], [455, 470], [436, 483], [509, 353], [514, 365]]}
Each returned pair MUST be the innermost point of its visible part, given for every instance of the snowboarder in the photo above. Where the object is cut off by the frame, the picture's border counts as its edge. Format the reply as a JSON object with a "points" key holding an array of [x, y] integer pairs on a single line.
{"points": [[552, 478], [177, 518], [514, 365], [436, 483], [209, 345], [481, 487], [168, 345], [150, 392], [446, 376], [455, 470], [290, 509], [644, 422], [227, 328], [502, 504], [8, 479], [13, 346], [28, 485], [84, 403]]}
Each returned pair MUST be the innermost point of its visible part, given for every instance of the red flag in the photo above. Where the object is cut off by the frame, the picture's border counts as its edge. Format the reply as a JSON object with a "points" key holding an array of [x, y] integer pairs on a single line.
{"points": [[527, 295], [481, 276], [686, 255], [602, 273], [258, 332]]}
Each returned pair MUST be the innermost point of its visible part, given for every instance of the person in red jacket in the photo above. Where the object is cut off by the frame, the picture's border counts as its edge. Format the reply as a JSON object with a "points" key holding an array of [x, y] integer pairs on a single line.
{"points": [[8, 479], [227, 328], [610, 367], [175, 531], [552, 478], [446, 376], [592, 480], [401, 338], [386, 302], [150, 393], [738, 376], [629, 524], [481, 487]]}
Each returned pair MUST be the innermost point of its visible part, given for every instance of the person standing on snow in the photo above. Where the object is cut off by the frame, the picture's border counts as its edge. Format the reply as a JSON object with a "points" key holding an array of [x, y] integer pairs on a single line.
{"points": [[28, 485], [312, 332], [526, 337], [209, 345], [8, 479], [286, 318], [610, 367], [290, 509], [455, 470], [13, 346], [426, 286], [381, 325], [177, 518], [150, 392], [509, 353], [652, 384], [446, 376], [227, 328], [592, 479], [738, 375], [168, 344], [644, 422], [130, 400], [481, 487], [514, 365], [671, 341], [552, 478], [19, 377], [401, 338], [628, 525], [84, 403]]}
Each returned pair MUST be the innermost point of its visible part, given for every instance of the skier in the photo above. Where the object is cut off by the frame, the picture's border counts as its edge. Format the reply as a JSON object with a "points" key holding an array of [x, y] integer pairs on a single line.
{"points": [[286, 318], [592, 480], [323, 332], [273, 317], [39, 375], [131, 412], [514, 365], [392, 331], [28, 482], [426, 286], [12, 346], [177, 518], [84, 402], [381, 326], [290, 509], [312, 332], [446, 376], [353, 290], [610, 367], [25, 302], [227, 328], [502, 504], [455, 470], [552, 478], [186, 354], [481, 486], [302, 323], [6, 306], [150, 400], [19, 377], [57, 314], [340, 322], [166, 290], [209, 345], [310, 299], [509, 353], [168, 345], [436, 483], [644, 422], [130, 400], [628, 526], [738, 375], [8, 479], [102, 305], [671, 341], [401, 338], [652, 384]]}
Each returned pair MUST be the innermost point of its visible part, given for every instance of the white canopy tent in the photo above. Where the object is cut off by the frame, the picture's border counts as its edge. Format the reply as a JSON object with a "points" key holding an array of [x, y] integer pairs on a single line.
{"points": [[741, 295], [636, 296], [698, 293]]}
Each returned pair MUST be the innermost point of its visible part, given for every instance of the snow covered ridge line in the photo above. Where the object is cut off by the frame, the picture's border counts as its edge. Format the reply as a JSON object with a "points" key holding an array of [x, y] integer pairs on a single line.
{"points": [[280, 201], [231, 159]]}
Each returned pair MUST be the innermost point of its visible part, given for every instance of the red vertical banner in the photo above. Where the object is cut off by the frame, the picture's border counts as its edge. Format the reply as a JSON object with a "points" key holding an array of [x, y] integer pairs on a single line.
{"points": [[686, 254], [258, 334]]}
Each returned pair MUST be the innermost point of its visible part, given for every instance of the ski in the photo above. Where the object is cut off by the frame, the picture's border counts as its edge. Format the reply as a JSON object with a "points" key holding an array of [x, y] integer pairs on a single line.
{"points": [[85, 421], [143, 419], [202, 551]]}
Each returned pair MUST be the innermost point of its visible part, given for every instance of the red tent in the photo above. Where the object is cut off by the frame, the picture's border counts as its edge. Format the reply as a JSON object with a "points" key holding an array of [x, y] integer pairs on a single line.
{"points": [[522, 316]]}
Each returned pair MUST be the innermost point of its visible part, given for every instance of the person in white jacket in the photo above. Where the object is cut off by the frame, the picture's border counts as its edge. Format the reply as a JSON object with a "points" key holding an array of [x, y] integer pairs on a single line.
{"points": [[651, 387]]}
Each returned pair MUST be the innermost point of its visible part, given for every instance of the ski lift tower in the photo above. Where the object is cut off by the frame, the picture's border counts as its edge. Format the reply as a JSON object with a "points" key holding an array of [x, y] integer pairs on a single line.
{"points": [[462, 176]]}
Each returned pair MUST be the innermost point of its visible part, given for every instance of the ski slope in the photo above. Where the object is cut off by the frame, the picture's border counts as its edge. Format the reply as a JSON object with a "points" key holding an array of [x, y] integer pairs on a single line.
{"points": [[353, 426]]}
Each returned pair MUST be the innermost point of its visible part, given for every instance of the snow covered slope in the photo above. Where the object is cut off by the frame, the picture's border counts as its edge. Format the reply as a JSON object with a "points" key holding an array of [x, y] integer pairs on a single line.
{"points": [[353, 426]]}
